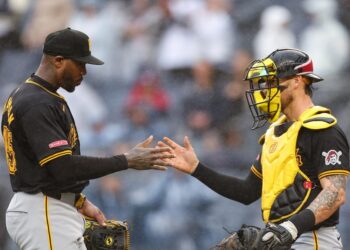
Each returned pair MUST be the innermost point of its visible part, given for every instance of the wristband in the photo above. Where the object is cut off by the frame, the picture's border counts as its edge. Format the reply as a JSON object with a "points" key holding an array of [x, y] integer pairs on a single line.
{"points": [[79, 200], [303, 221], [291, 228]]}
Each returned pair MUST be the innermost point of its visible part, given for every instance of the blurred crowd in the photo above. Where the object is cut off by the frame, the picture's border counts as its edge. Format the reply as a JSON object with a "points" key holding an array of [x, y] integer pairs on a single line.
{"points": [[175, 68]]}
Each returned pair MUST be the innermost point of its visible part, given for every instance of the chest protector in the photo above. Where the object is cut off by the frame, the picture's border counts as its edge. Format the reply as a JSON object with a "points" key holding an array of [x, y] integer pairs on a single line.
{"points": [[283, 189]]}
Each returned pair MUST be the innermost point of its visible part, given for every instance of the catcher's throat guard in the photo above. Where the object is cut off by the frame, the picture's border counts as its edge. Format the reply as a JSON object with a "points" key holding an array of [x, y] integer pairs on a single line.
{"points": [[113, 236], [264, 95]]}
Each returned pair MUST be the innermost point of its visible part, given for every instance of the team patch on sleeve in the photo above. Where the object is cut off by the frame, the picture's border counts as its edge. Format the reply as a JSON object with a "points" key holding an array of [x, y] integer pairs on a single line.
{"points": [[332, 157], [58, 143]]}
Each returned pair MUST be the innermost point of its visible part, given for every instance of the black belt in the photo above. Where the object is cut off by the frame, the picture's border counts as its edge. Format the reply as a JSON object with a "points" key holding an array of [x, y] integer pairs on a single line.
{"points": [[68, 198]]}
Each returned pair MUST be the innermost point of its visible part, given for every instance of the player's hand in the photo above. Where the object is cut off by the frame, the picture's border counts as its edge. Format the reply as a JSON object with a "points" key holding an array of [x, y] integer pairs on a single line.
{"points": [[90, 210], [186, 159], [142, 157], [277, 237]]}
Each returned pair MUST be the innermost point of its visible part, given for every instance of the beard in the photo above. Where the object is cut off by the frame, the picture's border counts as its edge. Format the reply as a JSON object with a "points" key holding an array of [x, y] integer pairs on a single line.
{"points": [[70, 89], [68, 83]]}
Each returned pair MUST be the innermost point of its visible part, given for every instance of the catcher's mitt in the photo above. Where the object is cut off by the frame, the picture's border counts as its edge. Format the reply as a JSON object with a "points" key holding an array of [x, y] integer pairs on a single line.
{"points": [[113, 236], [246, 238]]}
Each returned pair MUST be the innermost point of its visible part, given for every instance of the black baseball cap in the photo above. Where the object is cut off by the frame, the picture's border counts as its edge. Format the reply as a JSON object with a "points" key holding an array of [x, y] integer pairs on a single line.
{"points": [[72, 44]]}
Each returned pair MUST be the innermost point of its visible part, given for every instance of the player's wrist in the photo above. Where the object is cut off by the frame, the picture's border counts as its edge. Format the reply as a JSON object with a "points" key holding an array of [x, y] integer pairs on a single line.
{"points": [[197, 169], [303, 221]]}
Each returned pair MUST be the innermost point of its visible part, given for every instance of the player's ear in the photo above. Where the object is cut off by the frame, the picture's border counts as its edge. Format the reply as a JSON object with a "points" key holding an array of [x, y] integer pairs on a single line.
{"points": [[58, 61], [297, 81]]}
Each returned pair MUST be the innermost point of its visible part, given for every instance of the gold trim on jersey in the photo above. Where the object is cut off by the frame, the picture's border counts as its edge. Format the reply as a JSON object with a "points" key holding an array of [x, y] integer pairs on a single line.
{"points": [[333, 172], [8, 109], [72, 136], [54, 156], [48, 91], [48, 226], [10, 153], [314, 234], [256, 172]]}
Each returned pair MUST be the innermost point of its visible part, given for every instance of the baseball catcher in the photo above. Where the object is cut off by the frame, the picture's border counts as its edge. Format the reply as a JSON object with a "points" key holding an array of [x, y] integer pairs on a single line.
{"points": [[301, 172], [112, 236]]}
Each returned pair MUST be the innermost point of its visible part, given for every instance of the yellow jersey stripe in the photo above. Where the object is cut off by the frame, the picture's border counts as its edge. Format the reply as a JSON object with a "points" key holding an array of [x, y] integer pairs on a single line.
{"points": [[333, 172], [48, 91], [54, 156], [256, 172], [48, 227], [314, 234]]}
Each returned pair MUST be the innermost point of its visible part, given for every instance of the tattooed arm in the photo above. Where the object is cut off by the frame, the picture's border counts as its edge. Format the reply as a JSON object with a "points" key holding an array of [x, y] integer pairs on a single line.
{"points": [[331, 197]]}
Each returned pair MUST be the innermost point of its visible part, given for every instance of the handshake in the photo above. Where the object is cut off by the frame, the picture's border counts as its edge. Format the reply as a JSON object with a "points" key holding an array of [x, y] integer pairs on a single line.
{"points": [[166, 153]]}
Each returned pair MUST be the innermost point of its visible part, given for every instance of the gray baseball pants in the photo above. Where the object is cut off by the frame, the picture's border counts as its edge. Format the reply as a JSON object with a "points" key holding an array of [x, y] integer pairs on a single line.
{"points": [[325, 238], [39, 222]]}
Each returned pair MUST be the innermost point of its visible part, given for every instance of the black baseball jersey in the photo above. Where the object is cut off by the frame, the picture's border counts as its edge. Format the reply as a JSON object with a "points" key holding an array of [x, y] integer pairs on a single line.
{"points": [[320, 153], [38, 127]]}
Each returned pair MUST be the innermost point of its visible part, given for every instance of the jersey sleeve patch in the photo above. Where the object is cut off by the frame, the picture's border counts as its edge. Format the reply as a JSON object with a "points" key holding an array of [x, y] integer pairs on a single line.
{"points": [[332, 157], [58, 143]]}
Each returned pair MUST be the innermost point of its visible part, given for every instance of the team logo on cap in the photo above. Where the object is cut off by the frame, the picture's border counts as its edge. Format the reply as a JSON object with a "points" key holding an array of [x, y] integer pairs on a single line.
{"points": [[332, 157], [89, 42]]}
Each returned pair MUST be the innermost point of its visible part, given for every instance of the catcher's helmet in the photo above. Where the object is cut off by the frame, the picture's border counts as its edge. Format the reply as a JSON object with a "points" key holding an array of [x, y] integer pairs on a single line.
{"points": [[263, 75], [290, 62]]}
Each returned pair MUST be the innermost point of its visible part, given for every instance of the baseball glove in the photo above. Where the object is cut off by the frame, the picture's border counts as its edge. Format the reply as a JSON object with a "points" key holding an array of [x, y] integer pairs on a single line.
{"points": [[113, 236], [246, 238]]}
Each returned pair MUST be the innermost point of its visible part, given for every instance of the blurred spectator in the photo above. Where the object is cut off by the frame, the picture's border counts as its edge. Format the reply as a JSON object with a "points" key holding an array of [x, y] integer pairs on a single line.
{"points": [[18, 7], [142, 27], [91, 117], [275, 31], [146, 107], [326, 40], [9, 35], [196, 30], [179, 222], [234, 138], [147, 92], [102, 21], [215, 32], [233, 103], [18, 48], [344, 12], [41, 21], [108, 194], [178, 45], [201, 101]]}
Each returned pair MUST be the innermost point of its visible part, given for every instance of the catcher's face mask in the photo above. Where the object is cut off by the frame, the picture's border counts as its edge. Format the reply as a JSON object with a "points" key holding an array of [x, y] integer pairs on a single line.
{"points": [[264, 95]]}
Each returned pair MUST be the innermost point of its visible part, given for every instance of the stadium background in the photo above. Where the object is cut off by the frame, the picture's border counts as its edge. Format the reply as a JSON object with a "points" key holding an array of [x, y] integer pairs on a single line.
{"points": [[175, 68]]}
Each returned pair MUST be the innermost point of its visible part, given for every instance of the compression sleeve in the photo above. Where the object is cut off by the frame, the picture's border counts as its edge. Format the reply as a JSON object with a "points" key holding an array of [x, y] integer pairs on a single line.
{"points": [[80, 168], [244, 191]]}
